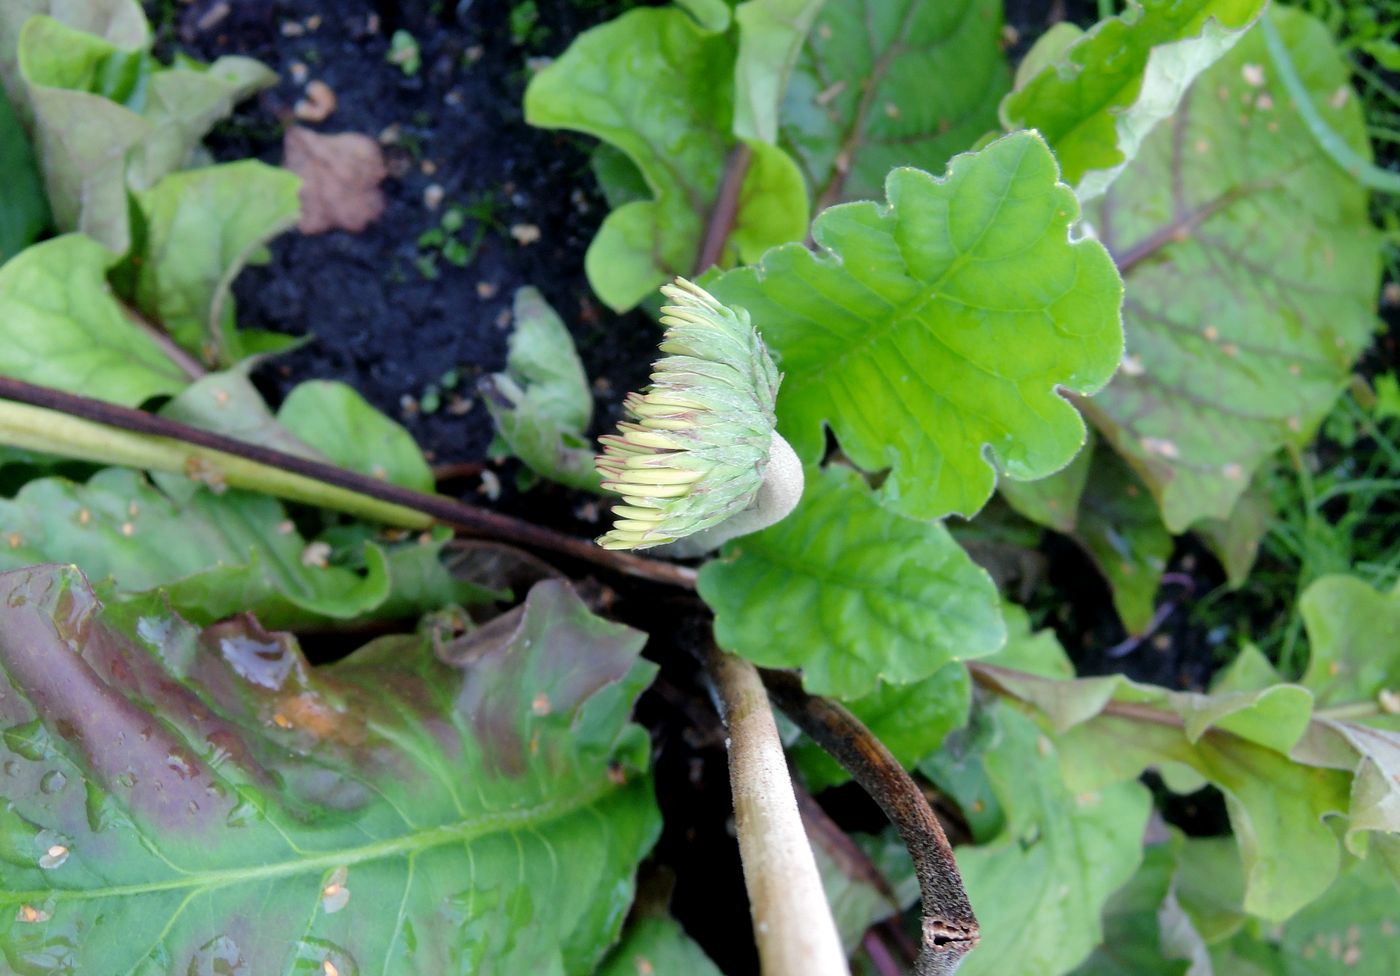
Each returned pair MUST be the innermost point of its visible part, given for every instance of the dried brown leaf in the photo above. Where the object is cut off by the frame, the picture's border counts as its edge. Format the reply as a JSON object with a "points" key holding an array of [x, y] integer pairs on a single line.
{"points": [[340, 179]]}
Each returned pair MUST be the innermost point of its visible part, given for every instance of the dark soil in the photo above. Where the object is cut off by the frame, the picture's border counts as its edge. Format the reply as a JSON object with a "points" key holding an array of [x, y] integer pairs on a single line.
{"points": [[382, 319]]}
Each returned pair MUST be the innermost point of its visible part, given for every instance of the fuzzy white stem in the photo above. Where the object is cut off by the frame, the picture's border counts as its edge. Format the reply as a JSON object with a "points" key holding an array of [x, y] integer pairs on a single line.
{"points": [[793, 924]]}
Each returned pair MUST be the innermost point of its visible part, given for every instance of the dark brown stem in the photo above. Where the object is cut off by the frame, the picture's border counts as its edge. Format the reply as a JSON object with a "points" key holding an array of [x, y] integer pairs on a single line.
{"points": [[949, 926], [459, 515], [725, 211]]}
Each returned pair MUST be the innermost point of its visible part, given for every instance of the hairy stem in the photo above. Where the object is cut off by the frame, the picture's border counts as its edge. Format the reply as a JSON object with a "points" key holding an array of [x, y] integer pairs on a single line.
{"points": [[793, 924], [950, 928], [54, 422]]}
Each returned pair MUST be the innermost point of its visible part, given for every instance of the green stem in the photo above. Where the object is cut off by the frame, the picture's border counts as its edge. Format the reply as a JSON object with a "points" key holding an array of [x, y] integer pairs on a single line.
{"points": [[1328, 140], [52, 432]]}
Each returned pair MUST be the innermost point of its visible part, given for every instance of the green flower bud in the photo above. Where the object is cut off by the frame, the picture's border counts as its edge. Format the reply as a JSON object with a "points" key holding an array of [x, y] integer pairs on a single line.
{"points": [[702, 437]]}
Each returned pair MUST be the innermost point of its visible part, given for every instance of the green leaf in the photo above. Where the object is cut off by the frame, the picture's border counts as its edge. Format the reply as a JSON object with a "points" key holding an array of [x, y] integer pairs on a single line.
{"points": [[713, 15], [1110, 729], [1351, 633], [1054, 501], [333, 418], [894, 83], [106, 115], [542, 404], [1121, 530], [1099, 503], [771, 37], [82, 135], [676, 129], [1355, 659], [1099, 98], [119, 22], [1251, 271], [911, 720], [1235, 540], [859, 595], [61, 327], [184, 801], [658, 946], [183, 102], [229, 403], [1349, 931], [26, 211], [866, 878], [201, 226], [215, 555], [1145, 931], [940, 326], [1039, 887]]}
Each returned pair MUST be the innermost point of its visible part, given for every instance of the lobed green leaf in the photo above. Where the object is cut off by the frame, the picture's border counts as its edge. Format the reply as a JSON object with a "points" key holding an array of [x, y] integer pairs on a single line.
{"points": [[936, 330]]}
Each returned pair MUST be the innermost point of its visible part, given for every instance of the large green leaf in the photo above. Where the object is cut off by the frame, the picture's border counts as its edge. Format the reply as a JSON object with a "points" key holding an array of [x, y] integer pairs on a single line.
{"points": [[676, 128], [851, 593], [26, 211], [542, 404], [1349, 931], [214, 555], [207, 802], [61, 327], [941, 326], [200, 228], [1110, 729], [771, 37], [1251, 272], [1096, 101], [1039, 887], [1145, 931], [892, 83], [333, 418]]}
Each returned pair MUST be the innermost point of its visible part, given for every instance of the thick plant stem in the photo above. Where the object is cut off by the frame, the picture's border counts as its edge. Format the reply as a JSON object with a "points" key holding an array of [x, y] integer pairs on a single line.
{"points": [[950, 928], [793, 924], [41, 419]]}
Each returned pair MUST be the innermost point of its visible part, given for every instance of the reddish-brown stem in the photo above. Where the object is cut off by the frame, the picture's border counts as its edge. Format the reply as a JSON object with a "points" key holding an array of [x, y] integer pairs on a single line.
{"points": [[725, 211]]}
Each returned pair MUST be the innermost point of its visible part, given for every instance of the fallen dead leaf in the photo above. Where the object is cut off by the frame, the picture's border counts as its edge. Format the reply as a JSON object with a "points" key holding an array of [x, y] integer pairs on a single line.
{"points": [[340, 179]]}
